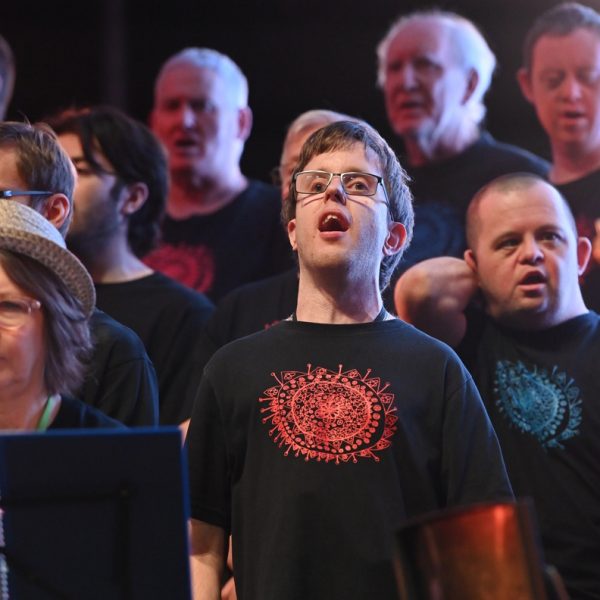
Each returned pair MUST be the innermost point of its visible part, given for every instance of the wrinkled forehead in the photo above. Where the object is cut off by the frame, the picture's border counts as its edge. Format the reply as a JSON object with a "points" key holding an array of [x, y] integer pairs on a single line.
{"points": [[423, 35], [530, 207]]}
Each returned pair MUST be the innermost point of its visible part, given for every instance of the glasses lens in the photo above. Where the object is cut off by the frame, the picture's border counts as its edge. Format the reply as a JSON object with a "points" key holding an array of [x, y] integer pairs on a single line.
{"points": [[13, 313], [359, 184], [312, 182]]}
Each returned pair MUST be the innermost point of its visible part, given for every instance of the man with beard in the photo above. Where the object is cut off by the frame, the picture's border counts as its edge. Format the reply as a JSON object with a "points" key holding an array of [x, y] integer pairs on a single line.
{"points": [[221, 230], [119, 199]]}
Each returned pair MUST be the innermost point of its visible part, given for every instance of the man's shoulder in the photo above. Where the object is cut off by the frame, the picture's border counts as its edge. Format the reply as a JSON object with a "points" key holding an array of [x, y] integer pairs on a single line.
{"points": [[509, 157], [108, 334]]}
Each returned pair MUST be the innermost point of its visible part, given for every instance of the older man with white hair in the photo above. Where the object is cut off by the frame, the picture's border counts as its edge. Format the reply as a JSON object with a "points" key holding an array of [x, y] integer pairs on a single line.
{"points": [[435, 69], [221, 229]]}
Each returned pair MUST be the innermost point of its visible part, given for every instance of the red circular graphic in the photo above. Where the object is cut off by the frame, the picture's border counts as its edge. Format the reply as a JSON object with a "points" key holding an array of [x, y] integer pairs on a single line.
{"points": [[330, 416], [193, 266]]}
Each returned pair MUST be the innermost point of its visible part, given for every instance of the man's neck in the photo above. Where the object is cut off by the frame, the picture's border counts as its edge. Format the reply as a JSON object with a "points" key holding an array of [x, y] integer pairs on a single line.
{"points": [[324, 300], [114, 262], [426, 149], [572, 162], [192, 196]]}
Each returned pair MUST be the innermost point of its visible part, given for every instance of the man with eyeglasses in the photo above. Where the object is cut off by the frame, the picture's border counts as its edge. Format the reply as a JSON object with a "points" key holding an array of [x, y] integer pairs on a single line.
{"points": [[221, 229], [313, 441], [35, 171]]}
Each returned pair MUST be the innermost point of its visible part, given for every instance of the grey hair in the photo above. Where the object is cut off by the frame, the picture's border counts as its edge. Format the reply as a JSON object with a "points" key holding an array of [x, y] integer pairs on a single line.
{"points": [[208, 58], [472, 52]]}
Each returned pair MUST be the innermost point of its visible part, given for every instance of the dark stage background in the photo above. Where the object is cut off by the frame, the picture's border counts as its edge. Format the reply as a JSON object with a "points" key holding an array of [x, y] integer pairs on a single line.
{"points": [[297, 55]]}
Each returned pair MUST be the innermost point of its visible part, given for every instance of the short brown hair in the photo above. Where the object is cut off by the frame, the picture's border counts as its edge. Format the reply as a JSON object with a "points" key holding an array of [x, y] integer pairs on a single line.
{"points": [[343, 135], [67, 334], [41, 161], [560, 20], [504, 184]]}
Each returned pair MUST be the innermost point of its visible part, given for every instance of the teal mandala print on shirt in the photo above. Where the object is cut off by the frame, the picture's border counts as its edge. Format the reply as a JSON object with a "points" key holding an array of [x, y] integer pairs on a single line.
{"points": [[540, 402]]}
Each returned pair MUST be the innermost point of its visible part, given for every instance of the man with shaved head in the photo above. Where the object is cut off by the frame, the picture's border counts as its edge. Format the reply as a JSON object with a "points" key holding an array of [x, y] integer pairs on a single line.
{"points": [[514, 310]]}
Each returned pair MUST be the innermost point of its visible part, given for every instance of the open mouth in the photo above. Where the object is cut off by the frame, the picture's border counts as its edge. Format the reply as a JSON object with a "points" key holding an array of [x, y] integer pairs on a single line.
{"points": [[533, 279], [186, 143], [573, 114], [333, 222]]}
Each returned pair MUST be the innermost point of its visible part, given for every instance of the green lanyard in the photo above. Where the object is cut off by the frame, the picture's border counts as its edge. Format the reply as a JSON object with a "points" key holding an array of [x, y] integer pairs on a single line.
{"points": [[48, 409]]}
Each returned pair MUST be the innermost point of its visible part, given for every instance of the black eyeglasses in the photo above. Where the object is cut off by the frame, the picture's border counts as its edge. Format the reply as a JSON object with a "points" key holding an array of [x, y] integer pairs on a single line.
{"points": [[8, 194]]}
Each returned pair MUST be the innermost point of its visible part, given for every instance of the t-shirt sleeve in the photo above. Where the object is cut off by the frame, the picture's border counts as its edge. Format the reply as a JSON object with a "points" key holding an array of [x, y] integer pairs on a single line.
{"points": [[473, 469], [208, 462]]}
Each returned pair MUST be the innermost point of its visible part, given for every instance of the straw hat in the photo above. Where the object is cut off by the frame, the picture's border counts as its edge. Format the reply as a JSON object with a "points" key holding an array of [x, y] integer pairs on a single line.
{"points": [[25, 231]]}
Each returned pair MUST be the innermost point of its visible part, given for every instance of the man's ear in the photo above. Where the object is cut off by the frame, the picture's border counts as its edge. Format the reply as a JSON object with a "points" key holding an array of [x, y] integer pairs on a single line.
{"points": [[470, 259], [584, 252], [523, 77], [395, 239], [245, 119], [134, 196], [472, 81], [57, 210], [291, 229]]}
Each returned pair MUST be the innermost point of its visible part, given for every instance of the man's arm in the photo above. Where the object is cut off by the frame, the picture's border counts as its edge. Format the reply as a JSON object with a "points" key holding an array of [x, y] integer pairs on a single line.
{"points": [[433, 296], [207, 557]]}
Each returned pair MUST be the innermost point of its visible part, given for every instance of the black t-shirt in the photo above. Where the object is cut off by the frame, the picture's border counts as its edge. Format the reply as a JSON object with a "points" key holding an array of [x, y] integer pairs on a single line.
{"points": [[583, 196], [542, 392], [120, 380], [248, 309], [442, 192], [73, 414], [313, 443], [169, 318], [244, 241]]}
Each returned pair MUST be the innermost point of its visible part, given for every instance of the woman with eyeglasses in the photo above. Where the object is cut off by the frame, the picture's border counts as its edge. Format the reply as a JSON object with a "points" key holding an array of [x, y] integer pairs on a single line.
{"points": [[46, 299]]}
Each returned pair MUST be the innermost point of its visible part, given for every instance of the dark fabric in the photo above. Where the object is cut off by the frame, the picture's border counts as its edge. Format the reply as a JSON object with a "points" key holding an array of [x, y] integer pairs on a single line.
{"points": [[169, 318], [248, 309], [120, 381], [583, 196], [542, 392], [313, 443], [244, 241], [73, 414], [442, 192]]}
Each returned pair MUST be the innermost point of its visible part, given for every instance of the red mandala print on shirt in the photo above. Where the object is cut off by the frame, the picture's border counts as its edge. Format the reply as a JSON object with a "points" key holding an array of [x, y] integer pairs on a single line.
{"points": [[329, 416], [193, 266]]}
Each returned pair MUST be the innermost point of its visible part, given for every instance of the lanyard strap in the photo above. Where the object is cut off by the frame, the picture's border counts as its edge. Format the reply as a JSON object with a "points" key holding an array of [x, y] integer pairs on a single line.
{"points": [[44, 421], [380, 317]]}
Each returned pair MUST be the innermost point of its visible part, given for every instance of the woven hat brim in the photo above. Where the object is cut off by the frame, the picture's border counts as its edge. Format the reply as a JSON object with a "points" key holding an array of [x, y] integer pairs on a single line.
{"points": [[59, 260]]}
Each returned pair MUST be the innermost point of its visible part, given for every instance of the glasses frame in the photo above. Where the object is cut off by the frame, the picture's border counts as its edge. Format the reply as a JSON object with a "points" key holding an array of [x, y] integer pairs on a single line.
{"points": [[341, 175], [31, 304], [8, 194]]}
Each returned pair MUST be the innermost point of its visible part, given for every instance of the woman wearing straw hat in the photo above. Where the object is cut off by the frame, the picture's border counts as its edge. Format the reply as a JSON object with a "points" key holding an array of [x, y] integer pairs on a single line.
{"points": [[46, 299]]}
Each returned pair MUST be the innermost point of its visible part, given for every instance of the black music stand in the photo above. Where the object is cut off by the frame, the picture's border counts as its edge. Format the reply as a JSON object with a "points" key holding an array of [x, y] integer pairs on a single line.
{"points": [[96, 514]]}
